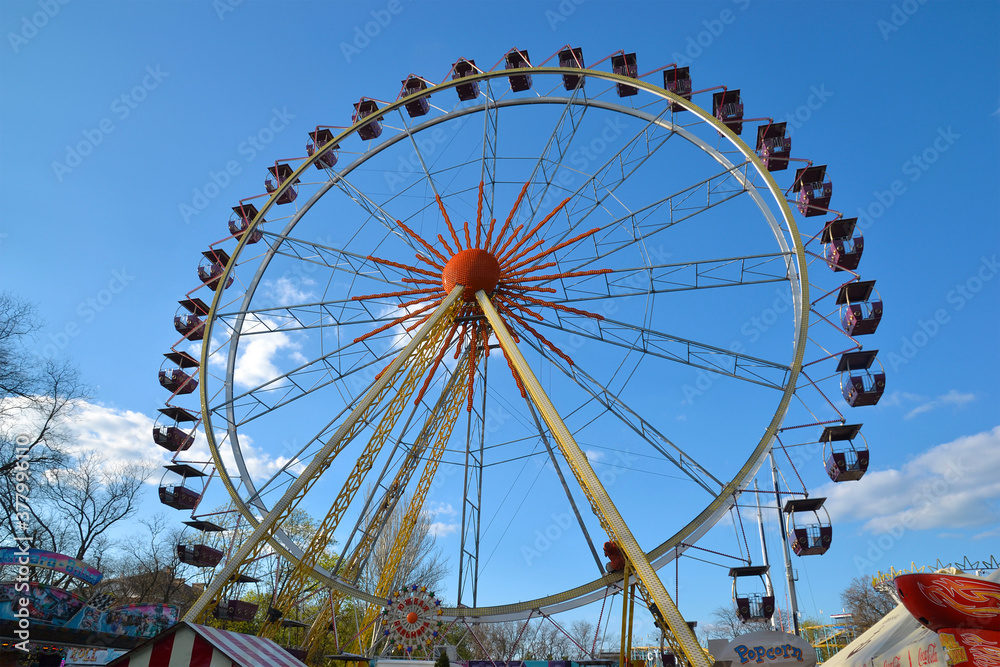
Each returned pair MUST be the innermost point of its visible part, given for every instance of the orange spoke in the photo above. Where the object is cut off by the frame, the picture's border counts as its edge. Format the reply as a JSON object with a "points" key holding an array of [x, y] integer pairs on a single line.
{"points": [[571, 274], [447, 221], [559, 306], [405, 267], [468, 241], [537, 227], [558, 246], [445, 244], [387, 295], [545, 341], [429, 262], [489, 233], [513, 304], [424, 243], [398, 320], [530, 269], [510, 217], [513, 235], [479, 215]]}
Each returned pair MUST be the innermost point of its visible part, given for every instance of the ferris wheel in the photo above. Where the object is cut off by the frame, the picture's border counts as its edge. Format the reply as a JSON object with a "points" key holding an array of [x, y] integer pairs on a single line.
{"points": [[560, 304]]}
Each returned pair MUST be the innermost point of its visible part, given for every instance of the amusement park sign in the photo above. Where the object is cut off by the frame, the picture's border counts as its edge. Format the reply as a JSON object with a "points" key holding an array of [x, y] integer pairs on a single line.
{"points": [[774, 649]]}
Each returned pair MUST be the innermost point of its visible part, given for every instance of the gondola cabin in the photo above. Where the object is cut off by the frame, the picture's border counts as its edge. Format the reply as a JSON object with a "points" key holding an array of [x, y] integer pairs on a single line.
{"points": [[751, 605], [728, 108], [198, 555], [677, 80], [845, 461], [235, 610], [858, 382], [364, 109], [814, 190], [464, 68], [212, 266], [808, 533], [774, 146], [840, 250], [319, 138], [860, 307], [168, 431], [189, 320], [278, 174], [178, 495], [572, 57], [624, 64], [239, 223], [418, 106], [516, 60], [175, 375]]}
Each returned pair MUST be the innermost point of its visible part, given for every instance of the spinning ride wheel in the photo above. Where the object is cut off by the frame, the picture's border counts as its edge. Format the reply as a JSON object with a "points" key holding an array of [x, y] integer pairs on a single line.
{"points": [[493, 278]]}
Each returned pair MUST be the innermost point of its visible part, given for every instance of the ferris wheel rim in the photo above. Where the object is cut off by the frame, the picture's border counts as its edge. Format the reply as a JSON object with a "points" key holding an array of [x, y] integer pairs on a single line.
{"points": [[672, 546]]}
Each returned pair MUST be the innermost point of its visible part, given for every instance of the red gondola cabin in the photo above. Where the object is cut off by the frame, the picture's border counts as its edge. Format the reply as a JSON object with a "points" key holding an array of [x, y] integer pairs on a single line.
{"points": [[860, 314], [814, 190], [844, 460], [728, 107], [812, 538], [572, 57], [317, 140], [625, 65], [859, 384]]}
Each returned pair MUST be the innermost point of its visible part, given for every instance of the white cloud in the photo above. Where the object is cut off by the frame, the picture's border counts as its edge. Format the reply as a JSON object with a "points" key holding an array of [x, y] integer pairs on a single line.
{"points": [[953, 398], [442, 528], [593, 455], [259, 348], [947, 486], [286, 291], [438, 529]]}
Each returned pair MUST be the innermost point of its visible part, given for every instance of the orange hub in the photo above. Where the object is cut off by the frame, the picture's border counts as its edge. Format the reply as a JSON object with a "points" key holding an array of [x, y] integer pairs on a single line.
{"points": [[412, 617], [474, 268]]}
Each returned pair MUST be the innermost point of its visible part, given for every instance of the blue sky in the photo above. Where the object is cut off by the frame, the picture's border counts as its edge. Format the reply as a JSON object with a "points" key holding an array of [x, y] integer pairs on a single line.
{"points": [[128, 130]]}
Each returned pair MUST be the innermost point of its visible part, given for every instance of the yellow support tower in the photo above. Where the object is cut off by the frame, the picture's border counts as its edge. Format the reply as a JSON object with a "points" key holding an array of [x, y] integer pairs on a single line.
{"points": [[253, 546], [647, 580], [300, 575], [317, 630], [401, 540]]}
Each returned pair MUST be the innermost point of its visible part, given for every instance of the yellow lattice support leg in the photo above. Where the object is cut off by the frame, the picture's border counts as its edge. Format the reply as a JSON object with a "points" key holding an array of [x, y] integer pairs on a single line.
{"points": [[300, 575], [254, 544], [605, 509], [388, 574]]}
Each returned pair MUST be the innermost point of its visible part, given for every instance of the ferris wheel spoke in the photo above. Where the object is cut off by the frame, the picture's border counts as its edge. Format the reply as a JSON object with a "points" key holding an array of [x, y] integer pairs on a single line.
{"points": [[680, 350], [556, 148], [491, 127], [294, 389], [643, 224], [677, 277], [614, 404], [562, 480], [336, 259], [622, 165]]}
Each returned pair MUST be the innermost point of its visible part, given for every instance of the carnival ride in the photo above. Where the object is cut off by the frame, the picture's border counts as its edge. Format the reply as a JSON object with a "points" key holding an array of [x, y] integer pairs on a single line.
{"points": [[602, 238]]}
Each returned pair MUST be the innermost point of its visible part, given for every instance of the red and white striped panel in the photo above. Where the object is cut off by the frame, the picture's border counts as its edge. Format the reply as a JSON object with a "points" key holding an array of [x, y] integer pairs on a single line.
{"points": [[202, 646], [183, 648]]}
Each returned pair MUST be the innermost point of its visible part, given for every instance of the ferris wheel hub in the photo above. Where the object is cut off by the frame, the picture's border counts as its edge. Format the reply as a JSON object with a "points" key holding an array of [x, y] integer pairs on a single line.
{"points": [[475, 269]]}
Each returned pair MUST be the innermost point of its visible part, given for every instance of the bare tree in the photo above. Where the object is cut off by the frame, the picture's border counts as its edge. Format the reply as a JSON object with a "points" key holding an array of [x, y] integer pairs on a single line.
{"points": [[728, 624], [37, 397], [865, 603], [146, 568], [420, 561]]}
